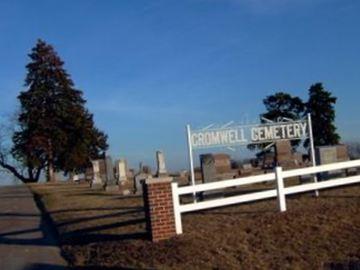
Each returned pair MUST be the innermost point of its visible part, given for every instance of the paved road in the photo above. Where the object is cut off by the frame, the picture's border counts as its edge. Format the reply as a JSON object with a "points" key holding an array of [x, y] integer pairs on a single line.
{"points": [[26, 240]]}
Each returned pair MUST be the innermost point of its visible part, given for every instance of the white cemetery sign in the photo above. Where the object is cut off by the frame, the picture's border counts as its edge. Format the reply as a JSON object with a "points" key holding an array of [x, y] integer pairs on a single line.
{"points": [[237, 135], [249, 134]]}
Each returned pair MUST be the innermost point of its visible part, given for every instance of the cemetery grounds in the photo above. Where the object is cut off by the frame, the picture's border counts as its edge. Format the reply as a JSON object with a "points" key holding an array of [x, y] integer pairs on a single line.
{"points": [[98, 228]]}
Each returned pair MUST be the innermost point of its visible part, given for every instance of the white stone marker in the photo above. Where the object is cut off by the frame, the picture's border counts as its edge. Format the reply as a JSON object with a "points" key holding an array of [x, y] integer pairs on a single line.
{"points": [[121, 170], [161, 167], [96, 181], [76, 178]]}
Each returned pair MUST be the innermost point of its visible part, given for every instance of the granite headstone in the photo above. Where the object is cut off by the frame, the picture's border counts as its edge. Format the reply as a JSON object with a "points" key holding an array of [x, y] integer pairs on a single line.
{"points": [[110, 184]]}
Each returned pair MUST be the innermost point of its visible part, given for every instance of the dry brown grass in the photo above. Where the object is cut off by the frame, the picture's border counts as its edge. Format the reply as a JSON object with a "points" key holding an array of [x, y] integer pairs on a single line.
{"points": [[106, 229]]}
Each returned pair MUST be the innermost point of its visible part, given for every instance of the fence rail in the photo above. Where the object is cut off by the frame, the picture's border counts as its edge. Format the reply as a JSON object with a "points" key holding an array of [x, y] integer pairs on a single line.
{"points": [[280, 191], [227, 183], [322, 168]]}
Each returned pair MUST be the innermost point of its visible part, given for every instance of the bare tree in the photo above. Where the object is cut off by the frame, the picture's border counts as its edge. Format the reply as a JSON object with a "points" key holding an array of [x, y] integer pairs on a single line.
{"points": [[8, 164]]}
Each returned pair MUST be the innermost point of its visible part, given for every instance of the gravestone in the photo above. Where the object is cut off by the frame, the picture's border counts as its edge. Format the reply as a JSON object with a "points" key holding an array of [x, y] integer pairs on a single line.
{"points": [[326, 155], [285, 156], [222, 163], [342, 153], [268, 160], [208, 170], [121, 169], [298, 158], [214, 167], [283, 151], [140, 177], [146, 169], [184, 174], [102, 168], [246, 169], [130, 173], [76, 178], [110, 184], [160, 161], [96, 180], [89, 174], [139, 180], [246, 166]]}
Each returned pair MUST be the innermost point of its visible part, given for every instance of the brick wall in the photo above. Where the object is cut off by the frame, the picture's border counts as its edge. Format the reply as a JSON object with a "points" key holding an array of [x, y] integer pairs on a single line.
{"points": [[159, 211]]}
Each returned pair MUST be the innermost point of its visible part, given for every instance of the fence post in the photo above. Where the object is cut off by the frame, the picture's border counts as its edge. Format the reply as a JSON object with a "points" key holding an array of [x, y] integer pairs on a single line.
{"points": [[280, 189], [176, 203], [159, 209]]}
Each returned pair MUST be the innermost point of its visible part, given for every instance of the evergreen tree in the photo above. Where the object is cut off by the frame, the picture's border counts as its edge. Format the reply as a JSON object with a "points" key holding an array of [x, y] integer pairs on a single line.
{"points": [[56, 131], [281, 105], [321, 107]]}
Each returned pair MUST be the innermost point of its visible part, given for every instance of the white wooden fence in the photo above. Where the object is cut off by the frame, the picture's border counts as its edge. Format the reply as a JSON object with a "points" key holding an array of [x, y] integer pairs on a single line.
{"points": [[280, 192]]}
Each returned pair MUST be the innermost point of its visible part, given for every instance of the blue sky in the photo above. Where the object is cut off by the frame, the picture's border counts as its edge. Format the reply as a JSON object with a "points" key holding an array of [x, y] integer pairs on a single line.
{"points": [[147, 68]]}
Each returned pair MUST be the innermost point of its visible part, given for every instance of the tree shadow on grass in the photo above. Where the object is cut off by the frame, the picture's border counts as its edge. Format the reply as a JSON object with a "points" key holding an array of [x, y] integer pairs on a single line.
{"points": [[96, 209], [86, 239], [340, 196], [45, 266], [8, 193], [18, 196], [342, 265], [92, 234], [112, 215], [17, 215], [37, 236], [90, 231], [104, 194]]}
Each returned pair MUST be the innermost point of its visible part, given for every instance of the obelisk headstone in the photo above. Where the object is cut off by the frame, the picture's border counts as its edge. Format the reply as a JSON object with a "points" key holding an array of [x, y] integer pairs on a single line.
{"points": [[161, 166]]}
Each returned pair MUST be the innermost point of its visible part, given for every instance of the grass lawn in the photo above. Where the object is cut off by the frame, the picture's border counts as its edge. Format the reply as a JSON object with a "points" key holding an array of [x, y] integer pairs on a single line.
{"points": [[97, 228]]}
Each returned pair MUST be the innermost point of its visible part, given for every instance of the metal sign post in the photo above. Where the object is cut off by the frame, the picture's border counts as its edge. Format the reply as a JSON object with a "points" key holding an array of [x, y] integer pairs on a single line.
{"points": [[312, 149], [188, 131]]}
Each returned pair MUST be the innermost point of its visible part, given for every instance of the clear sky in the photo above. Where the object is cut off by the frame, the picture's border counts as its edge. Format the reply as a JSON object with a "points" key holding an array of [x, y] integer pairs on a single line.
{"points": [[147, 68]]}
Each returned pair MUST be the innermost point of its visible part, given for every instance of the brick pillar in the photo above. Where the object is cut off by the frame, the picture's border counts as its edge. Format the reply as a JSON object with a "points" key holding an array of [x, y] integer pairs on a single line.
{"points": [[159, 211]]}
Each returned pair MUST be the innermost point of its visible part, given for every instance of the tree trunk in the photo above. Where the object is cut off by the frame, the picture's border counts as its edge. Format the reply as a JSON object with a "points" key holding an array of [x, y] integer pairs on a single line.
{"points": [[30, 172], [22, 178], [37, 175]]}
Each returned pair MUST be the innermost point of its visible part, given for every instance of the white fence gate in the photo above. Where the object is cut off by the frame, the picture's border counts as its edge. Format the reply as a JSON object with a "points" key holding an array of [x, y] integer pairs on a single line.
{"points": [[280, 192]]}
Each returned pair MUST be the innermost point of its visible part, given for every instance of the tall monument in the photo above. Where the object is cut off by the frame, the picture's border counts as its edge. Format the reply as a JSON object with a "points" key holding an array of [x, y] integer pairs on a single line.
{"points": [[161, 166]]}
